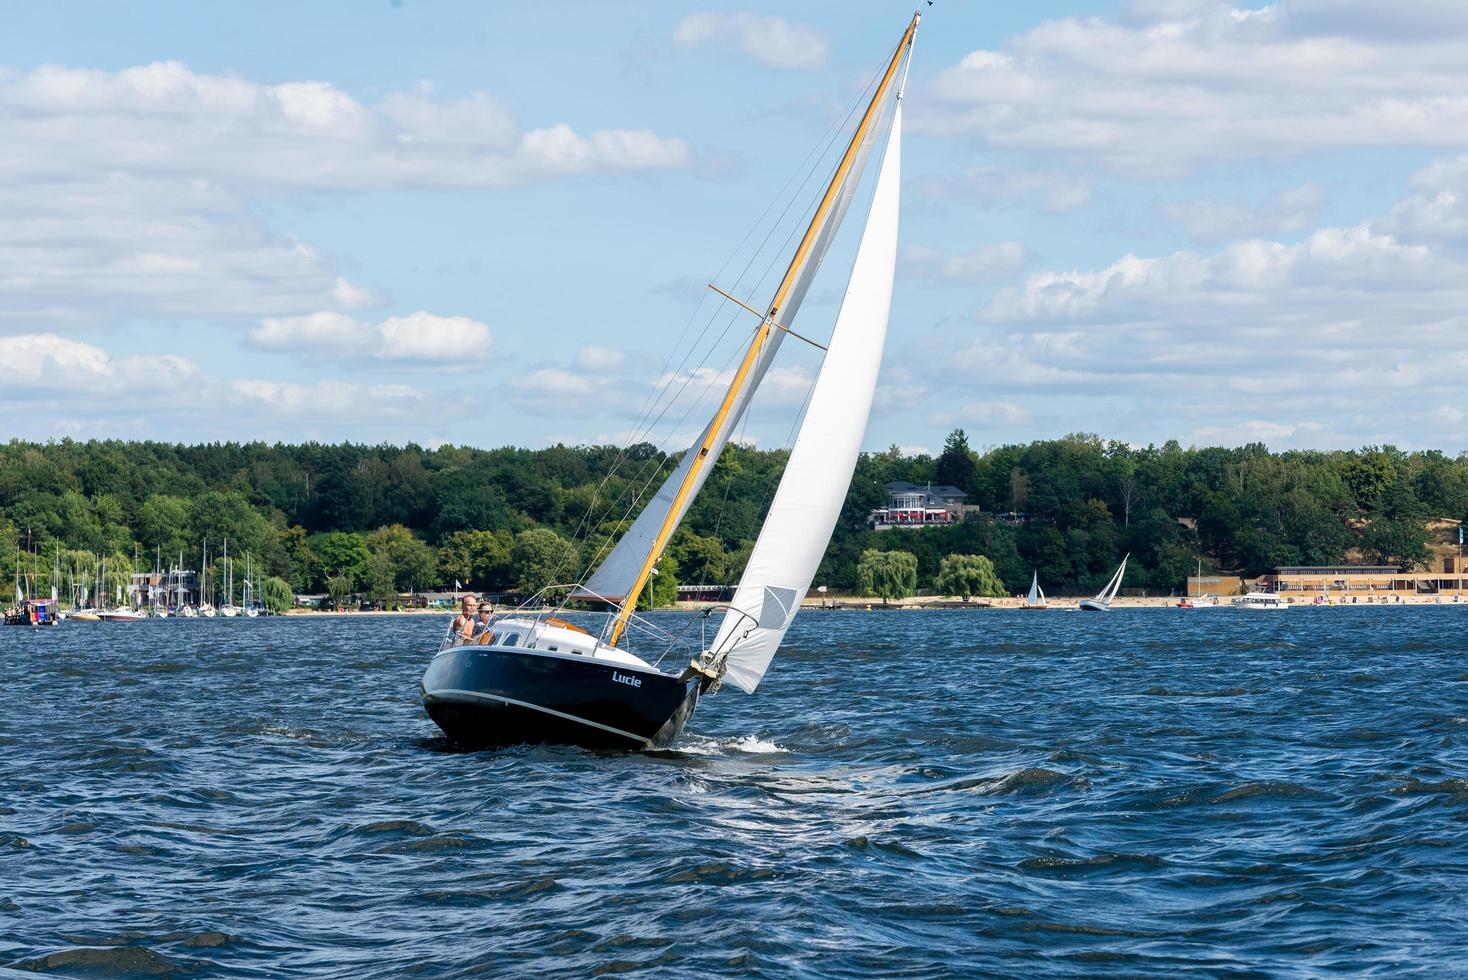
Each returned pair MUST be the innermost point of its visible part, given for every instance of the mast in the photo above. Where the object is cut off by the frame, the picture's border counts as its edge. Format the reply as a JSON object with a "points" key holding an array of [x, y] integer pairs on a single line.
{"points": [[767, 326]]}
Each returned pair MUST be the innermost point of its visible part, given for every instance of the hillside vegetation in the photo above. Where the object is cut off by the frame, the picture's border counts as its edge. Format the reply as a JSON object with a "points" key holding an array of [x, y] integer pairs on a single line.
{"points": [[380, 519]]}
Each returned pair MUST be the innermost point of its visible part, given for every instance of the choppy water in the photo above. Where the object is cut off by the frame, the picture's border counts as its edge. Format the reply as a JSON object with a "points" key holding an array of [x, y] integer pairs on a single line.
{"points": [[909, 793]]}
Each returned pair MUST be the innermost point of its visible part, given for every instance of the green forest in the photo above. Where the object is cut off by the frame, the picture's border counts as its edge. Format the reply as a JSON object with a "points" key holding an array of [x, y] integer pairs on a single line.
{"points": [[380, 520]]}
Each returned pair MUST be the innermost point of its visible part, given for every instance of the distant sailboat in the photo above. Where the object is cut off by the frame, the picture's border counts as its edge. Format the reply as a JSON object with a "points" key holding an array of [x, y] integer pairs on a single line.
{"points": [[1036, 598], [229, 608], [1101, 601], [536, 677]]}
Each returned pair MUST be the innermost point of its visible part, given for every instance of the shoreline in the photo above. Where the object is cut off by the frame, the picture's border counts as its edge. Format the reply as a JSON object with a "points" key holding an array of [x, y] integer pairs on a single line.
{"points": [[940, 604]]}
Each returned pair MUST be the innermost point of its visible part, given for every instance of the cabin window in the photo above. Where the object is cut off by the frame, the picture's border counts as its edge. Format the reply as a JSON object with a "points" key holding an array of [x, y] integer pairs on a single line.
{"points": [[512, 639]]}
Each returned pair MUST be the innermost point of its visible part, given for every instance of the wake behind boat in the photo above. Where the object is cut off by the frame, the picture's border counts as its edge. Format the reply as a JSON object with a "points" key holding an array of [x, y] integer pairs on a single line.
{"points": [[531, 676]]}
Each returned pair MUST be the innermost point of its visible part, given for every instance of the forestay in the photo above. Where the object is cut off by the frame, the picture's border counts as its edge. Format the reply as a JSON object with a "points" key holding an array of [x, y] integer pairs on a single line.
{"points": [[813, 488]]}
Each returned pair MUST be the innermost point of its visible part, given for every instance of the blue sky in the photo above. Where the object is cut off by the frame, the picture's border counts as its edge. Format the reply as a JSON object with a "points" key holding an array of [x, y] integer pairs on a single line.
{"points": [[488, 223]]}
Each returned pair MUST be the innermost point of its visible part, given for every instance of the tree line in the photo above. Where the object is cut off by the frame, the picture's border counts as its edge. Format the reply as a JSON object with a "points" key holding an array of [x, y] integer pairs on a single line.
{"points": [[381, 520]]}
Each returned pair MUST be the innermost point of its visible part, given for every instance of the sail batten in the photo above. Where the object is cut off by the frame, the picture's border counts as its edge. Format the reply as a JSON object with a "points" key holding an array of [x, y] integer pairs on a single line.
{"points": [[813, 487]]}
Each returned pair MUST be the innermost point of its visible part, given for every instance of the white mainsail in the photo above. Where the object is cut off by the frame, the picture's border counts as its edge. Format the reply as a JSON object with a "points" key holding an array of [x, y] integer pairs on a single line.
{"points": [[813, 487], [617, 573], [1105, 596], [1037, 594]]}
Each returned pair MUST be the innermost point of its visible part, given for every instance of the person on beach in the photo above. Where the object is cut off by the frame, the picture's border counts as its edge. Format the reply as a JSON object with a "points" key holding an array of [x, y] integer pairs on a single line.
{"points": [[463, 627]]}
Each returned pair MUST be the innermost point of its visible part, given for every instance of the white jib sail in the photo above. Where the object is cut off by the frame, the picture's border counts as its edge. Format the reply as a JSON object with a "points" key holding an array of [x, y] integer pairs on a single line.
{"points": [[813, 488], [613, 578], [1107, 594]]}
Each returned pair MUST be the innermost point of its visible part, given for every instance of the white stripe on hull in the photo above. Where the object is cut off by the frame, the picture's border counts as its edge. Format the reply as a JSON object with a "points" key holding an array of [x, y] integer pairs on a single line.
{"points": [[541, 708]]}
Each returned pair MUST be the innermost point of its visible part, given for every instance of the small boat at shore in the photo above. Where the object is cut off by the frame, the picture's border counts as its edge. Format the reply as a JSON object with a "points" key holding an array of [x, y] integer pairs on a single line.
{"points": [[1259, 600], [32, 612], [1101, 601], [534, 676], [122, 615], [1198, 602]]}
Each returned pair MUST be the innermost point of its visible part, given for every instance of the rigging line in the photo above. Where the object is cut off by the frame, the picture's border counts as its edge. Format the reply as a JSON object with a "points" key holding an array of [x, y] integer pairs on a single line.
{"points": [[683, 419], [818, 151], [637, 498], [723, 504], [822, 147], [643, 433], [743, 273]]}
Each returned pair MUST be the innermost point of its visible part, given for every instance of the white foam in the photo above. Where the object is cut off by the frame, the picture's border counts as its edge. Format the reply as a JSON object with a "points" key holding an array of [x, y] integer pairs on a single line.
{"points": [[748, 744], [755, 744]]}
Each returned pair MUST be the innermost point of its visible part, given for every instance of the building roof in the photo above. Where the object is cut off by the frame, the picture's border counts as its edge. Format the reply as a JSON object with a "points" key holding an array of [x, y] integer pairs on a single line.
{"points": [[1337, 569], [942, 492]]}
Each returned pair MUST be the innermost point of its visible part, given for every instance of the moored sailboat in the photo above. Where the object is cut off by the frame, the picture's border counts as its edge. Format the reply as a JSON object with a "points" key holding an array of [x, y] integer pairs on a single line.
{"points": [[1101, 601], [534, 676]]}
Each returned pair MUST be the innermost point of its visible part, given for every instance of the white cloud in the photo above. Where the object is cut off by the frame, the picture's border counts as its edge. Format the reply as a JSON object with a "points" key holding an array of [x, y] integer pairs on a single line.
{"points": [[1188, 83], [994, 262], [350, 297], [1052, 191], [772, 41], [1207, 221], [594, 358], [80, 250], [48, 362], [164, 119], [313, 403], [70, 387], [987, 413], [1348, 336], [419, 338], [554, 391], [1335, 272], [132, 193]]}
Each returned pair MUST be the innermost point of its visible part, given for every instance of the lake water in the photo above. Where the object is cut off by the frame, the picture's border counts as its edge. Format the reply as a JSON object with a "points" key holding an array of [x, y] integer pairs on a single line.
{"points": [[917, 793]]}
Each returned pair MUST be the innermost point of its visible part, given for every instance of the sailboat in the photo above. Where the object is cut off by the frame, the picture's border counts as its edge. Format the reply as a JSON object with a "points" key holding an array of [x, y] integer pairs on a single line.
{"points": [[251, 601], [537, 677], [1101, 601], [229, 608], [206, 608], [1036, 598]]}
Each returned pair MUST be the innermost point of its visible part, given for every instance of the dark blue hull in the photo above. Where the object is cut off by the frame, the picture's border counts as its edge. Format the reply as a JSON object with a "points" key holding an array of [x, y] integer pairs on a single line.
{"points": [[487, 696]]}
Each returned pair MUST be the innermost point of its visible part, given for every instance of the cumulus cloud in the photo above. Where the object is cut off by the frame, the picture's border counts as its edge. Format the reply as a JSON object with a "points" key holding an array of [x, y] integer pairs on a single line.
{"points": [[1348, 335], [81, 250], [1051, 191], [49, 362], [1208, 221], [995, 262], [594, 358], [772, 41], [70, 387], [330, 400], [131, 193], [1179, 84], [420, 338], [164, 119]]}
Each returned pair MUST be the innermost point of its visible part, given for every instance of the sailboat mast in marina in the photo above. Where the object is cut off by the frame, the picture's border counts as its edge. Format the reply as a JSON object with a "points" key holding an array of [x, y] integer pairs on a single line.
{"points": [[536, 677]]}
